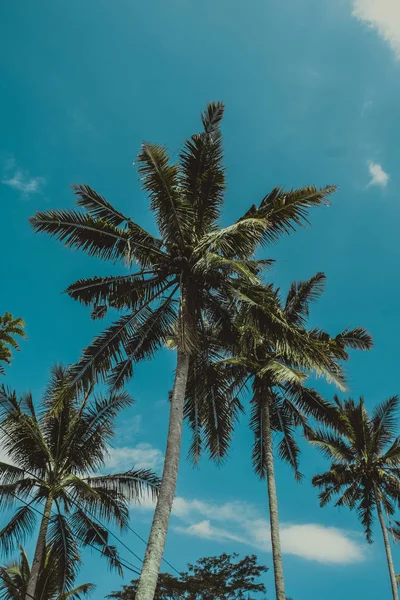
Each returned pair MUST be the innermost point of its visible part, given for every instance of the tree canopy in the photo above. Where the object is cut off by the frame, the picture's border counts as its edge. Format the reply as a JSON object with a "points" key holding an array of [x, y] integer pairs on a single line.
{"points": [[221, 577]]}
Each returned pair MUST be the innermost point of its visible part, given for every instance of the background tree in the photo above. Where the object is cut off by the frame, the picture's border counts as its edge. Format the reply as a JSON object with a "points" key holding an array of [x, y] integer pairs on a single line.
{"points": [[365, 469], [212, 578], [184, 278], [9, 329], [276, 355], [14, 578], [54, 455]]}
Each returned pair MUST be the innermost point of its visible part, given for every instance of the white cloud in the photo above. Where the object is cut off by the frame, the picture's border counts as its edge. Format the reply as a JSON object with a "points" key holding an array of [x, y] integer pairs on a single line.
{"points": [[205, 530], [382, 15], [378, 175], [21, 180], [242, 523], [141, 456]]}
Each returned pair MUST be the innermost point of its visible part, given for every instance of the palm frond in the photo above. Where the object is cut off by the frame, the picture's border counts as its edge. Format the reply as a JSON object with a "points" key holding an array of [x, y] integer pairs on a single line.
{"points": [[97, 206], [300, 295], [134, 484], [202, 171], [160, 179], [285, 211], [79, 231], [17, 530], [65, 551], [109, 347]]}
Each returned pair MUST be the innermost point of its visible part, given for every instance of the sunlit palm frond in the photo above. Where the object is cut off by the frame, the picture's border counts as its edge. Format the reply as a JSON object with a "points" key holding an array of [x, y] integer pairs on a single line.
{"points": [[285, 211], [161, 180], [300, 295], [202, 170], [133, 484]]}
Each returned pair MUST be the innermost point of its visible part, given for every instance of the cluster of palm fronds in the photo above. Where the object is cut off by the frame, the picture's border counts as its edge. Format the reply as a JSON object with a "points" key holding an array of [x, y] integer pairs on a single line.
{"points": [[201, 289]]}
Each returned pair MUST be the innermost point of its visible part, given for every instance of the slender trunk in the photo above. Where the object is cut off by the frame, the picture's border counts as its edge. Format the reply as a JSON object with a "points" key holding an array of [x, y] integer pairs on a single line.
{"points": [[389, 558], [39, 551], [155, 547], [273, 509]]}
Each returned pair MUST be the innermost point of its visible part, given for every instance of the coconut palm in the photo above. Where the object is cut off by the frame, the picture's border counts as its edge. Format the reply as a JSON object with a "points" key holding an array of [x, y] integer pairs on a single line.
{"points": [[54, 455], [14, 578], [9, 328], [277, 367], [364, 474], [177, 282]]}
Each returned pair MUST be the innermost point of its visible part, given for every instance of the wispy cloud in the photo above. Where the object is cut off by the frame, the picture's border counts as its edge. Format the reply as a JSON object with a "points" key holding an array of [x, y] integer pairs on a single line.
{"points": [[384, 17], [141, 456], [378, 175], [21, 180], [241, 522]]}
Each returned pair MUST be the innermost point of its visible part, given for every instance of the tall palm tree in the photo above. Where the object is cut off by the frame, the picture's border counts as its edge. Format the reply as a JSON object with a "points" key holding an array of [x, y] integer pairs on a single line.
{"points": [[365, 469], [177, 281], [9, 328], [277, 367], [14, 578], [54, 455]]}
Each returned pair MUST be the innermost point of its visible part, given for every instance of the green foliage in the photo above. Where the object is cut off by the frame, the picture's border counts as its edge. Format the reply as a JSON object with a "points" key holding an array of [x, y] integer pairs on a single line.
{"points": [[9, 329], [364, 450], [211, 578], [15, 576], [55, 451], [184, 280], [263, 340]]}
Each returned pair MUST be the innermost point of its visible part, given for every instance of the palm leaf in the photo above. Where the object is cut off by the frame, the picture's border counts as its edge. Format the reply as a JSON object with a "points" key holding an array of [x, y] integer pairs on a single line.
{"points": [[17, 530], [79, 231], [160, 179], [300, 295]]}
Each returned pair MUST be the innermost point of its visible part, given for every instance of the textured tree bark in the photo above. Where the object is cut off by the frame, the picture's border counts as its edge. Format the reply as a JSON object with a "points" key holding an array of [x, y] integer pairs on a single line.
{"points": [[39, 551], [392, 573], [273, 509], [158, 534]]}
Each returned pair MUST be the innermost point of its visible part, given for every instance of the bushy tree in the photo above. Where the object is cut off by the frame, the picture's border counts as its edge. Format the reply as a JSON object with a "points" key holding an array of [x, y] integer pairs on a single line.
{"points": [[212, 578]]}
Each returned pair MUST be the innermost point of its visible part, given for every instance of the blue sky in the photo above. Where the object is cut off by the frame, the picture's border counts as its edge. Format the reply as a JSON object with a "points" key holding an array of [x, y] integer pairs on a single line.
{"points": [[312, 91]]}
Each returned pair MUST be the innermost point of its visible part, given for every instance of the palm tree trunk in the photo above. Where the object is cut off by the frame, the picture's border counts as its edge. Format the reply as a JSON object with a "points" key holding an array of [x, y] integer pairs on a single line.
{"points": [[155, 547], [389, 558], [39, 551], [273, 509]]}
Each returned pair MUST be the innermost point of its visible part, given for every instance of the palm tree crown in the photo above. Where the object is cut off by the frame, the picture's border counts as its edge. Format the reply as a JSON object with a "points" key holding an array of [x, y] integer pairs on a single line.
{"points": [[365, 469], [365, 454], [193, 259], [54, 454], [14, 578]]}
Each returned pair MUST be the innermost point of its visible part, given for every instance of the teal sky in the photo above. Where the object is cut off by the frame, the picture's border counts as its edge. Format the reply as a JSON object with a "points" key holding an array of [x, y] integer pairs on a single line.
{"points": [[312, 90]]}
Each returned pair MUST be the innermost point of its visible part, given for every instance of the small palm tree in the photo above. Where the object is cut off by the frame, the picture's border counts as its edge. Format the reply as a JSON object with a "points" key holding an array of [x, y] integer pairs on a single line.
{"points": [[14, 578], [54, 456], [277, 367], [9, 328], [178, 283], [365, 469]]}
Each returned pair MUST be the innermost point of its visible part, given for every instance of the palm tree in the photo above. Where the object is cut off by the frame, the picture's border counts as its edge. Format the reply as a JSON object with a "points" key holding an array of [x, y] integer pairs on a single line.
{"points": [[15, 576], [277, 366], [177, 282], [365, 469], [54, 455], [9, 328]]}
